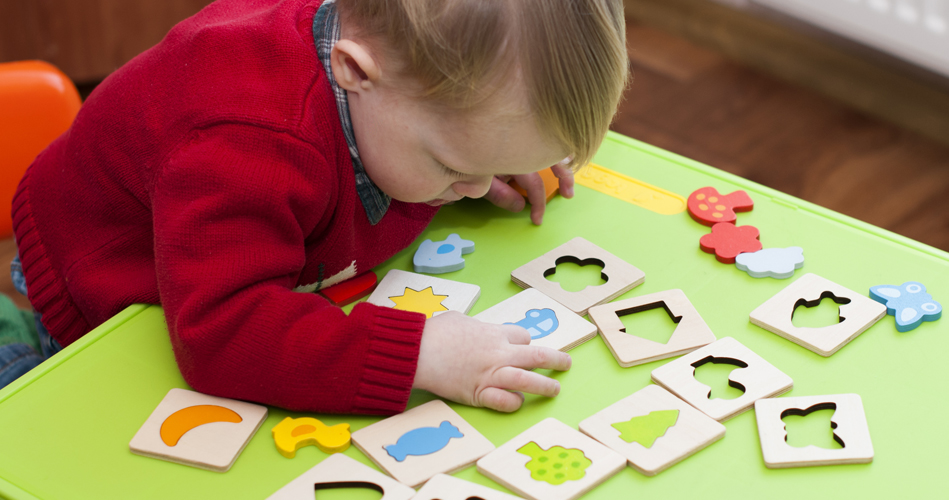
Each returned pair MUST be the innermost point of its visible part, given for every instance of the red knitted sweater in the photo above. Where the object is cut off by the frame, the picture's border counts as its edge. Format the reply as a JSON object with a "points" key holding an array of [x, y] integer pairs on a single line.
{"points": [[210, 175]]}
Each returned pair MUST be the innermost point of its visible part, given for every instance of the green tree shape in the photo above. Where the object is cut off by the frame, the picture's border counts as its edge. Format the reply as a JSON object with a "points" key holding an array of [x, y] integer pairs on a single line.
{"points": [[555, 465], [646, 429]]}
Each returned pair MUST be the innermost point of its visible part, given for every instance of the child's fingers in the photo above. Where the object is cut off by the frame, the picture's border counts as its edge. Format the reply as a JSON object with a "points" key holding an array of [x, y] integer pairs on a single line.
{"points": [[531, 357], [566, 179], [515, 379], [504, 196], [516, 334], [499, 399]]}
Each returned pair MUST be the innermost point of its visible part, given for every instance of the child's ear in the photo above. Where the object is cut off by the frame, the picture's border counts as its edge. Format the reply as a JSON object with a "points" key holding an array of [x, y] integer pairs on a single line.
{"points": [[353, 66]]}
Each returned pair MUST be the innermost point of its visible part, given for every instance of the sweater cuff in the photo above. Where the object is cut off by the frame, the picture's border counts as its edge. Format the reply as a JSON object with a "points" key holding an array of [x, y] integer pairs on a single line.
{"points": [[390, 361]]}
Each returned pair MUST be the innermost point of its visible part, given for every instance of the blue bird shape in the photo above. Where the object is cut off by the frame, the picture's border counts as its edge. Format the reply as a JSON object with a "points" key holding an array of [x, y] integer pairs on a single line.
{"points": [[423, 441], [539, 323], [908, 303], [442, 256]]}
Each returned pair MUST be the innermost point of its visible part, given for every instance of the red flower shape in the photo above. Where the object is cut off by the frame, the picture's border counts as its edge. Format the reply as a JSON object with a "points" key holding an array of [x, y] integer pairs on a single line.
{"points": [[726, 241]]}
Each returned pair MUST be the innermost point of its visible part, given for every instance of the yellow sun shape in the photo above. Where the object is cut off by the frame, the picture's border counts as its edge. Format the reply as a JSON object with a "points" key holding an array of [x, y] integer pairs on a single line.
{"points": [[425, 301]]}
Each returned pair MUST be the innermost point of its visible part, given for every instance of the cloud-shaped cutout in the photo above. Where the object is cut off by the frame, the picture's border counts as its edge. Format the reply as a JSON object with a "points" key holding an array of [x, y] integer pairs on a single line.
{"points": [[777, 263]]}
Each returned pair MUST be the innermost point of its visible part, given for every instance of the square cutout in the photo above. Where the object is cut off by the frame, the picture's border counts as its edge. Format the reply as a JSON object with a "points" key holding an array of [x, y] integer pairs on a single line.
{"points": [[859, 313], [653, 429], [551, 461], [549, 322], [690, 333], [424, 294], [758, 378], [195, 429], [848, 422], [620, 276], [426, 440]]}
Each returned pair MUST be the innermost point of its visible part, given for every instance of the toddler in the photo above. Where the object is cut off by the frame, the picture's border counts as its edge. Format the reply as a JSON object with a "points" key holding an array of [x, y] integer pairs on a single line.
{"points": [[267, 149]]}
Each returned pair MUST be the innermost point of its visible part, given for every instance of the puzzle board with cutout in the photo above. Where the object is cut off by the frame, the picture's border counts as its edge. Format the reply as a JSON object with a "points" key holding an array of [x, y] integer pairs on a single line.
{"points": [[75, 414], [428, 295]]}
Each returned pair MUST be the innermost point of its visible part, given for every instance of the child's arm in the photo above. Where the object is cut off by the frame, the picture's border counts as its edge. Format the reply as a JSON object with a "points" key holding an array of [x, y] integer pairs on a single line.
{"points": [[480, 364], [504, 196]]}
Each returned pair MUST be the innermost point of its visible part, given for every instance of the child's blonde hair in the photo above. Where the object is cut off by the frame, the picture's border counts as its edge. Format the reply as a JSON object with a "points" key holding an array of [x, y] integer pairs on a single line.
{"points": [[571, 54]]}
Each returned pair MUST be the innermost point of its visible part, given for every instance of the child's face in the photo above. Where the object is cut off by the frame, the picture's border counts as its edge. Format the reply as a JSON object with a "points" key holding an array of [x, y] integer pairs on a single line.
{"points": [[420, 152], [416, 152]]}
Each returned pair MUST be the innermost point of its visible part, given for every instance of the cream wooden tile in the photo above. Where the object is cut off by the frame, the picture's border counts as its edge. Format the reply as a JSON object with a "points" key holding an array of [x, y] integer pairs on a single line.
{"points": [[758, 378], [195, 429], [426, 440], [629, 350], [550, 323], [551, 461], [442, 487], [340, 471], [620, 276], [688, 431], [425, 294], [859, 314], [850, 429]]}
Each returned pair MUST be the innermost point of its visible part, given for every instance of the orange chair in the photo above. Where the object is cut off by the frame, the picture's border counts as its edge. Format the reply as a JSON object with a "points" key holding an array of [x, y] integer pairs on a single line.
{"points": [[37, 104]]}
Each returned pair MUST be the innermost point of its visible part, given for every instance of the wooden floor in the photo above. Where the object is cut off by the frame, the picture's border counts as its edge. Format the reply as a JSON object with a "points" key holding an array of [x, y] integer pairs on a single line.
{"points": [[697, 103]]}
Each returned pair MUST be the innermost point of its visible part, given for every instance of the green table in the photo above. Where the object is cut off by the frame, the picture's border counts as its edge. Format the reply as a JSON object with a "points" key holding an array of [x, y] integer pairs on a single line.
{"points": [[65, 427]]}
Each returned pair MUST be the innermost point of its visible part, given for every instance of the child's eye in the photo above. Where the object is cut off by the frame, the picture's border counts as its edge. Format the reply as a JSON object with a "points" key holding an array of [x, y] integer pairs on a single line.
{"points": [[454, 174]]}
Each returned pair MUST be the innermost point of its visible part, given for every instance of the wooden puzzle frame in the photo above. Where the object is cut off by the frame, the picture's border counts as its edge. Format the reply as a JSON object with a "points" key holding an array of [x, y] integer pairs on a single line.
{"points": [[692, 432], [776, 314], [213, 445], [620, 275], [444, 487], [573, 329], [414, 470], [690, 333], [508, 467], [461, 296], [849, 423], [759, 379], [340, 471]]}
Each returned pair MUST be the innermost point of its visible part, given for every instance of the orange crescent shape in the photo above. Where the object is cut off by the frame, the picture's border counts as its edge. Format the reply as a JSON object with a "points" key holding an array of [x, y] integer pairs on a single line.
{"points": [[185, 419]]}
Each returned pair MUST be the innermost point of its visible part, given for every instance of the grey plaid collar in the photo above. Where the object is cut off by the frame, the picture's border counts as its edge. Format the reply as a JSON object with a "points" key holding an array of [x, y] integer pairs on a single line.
{"points": [[325, 35]]}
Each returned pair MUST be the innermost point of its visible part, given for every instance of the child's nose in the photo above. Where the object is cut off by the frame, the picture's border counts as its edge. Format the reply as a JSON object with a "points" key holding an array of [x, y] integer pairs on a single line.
{"points": [[473, 187]]}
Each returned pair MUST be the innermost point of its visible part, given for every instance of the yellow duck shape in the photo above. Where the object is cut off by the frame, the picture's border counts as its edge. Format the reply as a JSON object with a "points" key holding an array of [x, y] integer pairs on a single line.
{"points": [[291, 434]]}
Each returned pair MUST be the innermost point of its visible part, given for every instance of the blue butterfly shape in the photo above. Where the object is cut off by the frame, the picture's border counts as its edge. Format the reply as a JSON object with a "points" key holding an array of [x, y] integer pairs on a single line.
{"points": [[909, 303]]}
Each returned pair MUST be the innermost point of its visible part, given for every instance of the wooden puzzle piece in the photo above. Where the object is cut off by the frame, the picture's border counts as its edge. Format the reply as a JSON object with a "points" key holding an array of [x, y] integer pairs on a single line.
{"points": [[424, 442], [195, 429], [630, 190], [620, 276], [340, 471], [351, 290], [727, 241], [520, 464], [291, 434], [688, 430], [551, 185], [908, 303], [778, 263], [849, 424], [629, 350], [857, 314], [708, 207], [442, 256], [443, 487], [552, 326], [758, 378], [425, 294]]}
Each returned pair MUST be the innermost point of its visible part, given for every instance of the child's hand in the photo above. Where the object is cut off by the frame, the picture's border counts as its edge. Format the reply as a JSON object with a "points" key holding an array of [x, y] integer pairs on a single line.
{"points": [[479, 364], [504, 196]]}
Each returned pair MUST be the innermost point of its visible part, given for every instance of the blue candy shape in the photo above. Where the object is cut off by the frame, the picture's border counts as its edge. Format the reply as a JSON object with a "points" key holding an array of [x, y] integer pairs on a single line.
{"points": [[442, 256], [539, 323], [909, 303], [423, 441]]}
